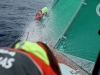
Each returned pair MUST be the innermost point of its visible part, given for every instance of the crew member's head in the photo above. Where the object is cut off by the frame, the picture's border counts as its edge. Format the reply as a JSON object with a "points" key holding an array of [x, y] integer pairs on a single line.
{"points": [[44, 10]]}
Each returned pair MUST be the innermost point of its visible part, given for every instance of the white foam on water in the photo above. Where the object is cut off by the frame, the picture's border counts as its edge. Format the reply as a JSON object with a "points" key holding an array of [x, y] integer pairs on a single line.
{"points": [[33, 31]]}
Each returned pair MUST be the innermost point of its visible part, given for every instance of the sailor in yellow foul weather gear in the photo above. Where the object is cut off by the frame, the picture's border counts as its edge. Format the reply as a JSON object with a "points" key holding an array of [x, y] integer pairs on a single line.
{"points": [[42, 12], [28, 58]]}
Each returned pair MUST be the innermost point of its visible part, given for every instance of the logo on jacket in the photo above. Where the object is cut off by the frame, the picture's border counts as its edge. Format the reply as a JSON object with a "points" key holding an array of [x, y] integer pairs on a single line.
{"points": [[5, 61]]}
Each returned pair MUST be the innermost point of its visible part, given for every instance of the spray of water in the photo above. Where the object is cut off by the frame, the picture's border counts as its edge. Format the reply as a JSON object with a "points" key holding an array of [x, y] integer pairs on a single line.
{"points": [[31, 32]]}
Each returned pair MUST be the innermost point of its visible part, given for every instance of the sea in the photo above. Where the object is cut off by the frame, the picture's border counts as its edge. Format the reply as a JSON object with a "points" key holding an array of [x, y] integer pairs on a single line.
{"points": [[15, 15]]}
